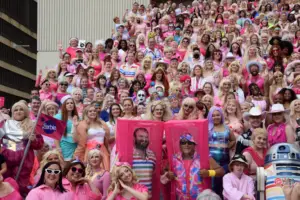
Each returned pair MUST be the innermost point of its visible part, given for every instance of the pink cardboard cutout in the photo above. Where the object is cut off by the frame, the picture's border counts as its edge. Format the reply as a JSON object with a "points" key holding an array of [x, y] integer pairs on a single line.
{"points": [[125, 145], [199, 130]]}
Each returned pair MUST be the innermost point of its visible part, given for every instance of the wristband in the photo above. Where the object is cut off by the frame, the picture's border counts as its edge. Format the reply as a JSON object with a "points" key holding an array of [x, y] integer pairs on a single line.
{"points": [[211, 173]]}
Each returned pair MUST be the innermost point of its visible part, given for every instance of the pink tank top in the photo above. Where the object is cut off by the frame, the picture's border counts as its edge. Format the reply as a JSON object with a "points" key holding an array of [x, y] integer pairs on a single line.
{"points": [[279, 136]]}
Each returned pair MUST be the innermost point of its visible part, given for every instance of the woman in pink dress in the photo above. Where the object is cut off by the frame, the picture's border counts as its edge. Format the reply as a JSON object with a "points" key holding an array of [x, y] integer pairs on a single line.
{"points": [[73, 47], [51, 77], [94, 61], [99, 177], [255, 154], [92, 133], [125, 184]]}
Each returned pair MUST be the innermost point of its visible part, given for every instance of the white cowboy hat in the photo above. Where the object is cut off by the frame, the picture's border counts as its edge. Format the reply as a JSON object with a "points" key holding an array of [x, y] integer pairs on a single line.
{"points": [[254, 111], [277, 108]]}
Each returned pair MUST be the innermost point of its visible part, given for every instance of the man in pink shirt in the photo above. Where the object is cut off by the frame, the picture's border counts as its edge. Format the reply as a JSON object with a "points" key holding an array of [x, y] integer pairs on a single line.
{"points": [[254, 68], [236, 184], [35, 106]]}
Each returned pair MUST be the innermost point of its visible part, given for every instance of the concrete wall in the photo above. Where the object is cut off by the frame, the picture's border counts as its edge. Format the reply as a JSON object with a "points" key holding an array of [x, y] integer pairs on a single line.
{"points": [[59, 20]]}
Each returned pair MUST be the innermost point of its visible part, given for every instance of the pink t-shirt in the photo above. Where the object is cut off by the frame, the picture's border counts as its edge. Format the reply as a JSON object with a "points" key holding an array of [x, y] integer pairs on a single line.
{"points": [[138, 187], [15, 195]]}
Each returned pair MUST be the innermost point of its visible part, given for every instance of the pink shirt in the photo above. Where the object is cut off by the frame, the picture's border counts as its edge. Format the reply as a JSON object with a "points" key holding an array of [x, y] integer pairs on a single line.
{"points": [[15, 195], [278, 135], [45, 192], [72, 51], [235, 188], [45, 95], [81, 192]]}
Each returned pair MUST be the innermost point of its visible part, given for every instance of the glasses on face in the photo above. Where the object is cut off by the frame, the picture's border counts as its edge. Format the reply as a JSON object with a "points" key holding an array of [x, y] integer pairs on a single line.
{"points": [[63, 84], [224, 41], [186, 41], [275, 50], [79, 170], [188, 106], [132, 45], [184, 142], [52, 171]]}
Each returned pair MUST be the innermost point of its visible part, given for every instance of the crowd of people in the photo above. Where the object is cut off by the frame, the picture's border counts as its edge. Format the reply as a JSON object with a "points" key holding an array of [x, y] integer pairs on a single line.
{"points": [[234, 63]]}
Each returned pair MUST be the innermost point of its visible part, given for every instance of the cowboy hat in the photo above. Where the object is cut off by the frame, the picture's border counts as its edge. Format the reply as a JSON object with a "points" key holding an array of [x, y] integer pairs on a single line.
{"points": [[253, 63], [238, 158], [254, 111], [277, 108], [161, 62]]}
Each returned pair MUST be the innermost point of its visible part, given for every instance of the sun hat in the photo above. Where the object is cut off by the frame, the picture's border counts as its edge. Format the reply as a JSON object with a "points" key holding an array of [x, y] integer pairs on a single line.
{"points": [[254, 111], [277, 108], [238, 158], [229, 55], [253, 63], [161, 62]]}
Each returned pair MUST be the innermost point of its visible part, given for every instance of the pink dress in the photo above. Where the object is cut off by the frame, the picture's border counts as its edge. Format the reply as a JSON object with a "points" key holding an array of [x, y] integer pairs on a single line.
{"points": [[279, 136], [102, 182], [138, 187], [15, 195]]}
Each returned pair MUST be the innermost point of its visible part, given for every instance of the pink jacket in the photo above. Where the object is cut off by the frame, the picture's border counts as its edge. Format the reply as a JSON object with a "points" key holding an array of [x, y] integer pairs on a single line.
{"points": [[234, 188], [81, 192], [47, 193]]}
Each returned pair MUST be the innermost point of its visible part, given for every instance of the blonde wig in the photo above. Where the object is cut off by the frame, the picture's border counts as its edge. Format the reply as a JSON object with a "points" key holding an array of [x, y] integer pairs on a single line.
{"points": [[115, 175], [167, 113], [238, 112], [259, 131], [26, 124], [224, 80], [292, 107], [88, 170], [191, 102], [46, 156], [147, 58]]}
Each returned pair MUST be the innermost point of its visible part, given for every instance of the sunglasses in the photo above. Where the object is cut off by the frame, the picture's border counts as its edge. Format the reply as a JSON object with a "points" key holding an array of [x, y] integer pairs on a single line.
{"points": [[63, 84], [184, 142], [188, 106], [79, 170], [132, 45], [52, 171]]}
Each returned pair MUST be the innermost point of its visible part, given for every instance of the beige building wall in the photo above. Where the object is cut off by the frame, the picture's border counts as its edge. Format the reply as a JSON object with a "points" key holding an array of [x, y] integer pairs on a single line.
{"points": [[90, 20]]}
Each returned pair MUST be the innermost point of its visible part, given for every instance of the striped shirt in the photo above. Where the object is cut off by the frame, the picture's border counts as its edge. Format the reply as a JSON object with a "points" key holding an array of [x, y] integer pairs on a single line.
{"points": [[129, 71], [144, 168]]}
